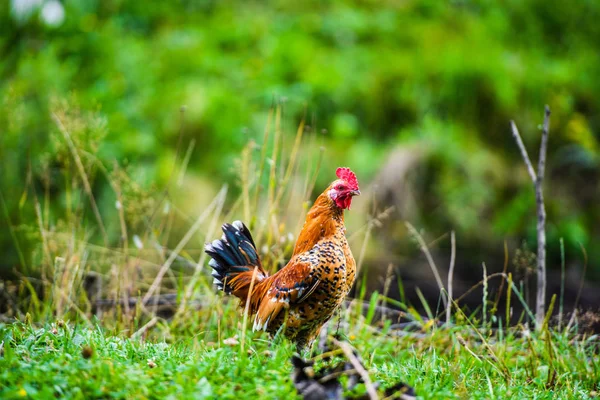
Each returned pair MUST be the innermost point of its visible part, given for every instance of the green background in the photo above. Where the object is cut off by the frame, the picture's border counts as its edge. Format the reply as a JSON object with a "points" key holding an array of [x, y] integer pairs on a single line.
{"points": [[371, 76]]}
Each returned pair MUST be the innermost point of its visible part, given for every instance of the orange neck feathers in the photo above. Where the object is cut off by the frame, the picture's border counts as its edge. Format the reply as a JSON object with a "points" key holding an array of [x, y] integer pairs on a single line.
{"points": [[323, 220]]}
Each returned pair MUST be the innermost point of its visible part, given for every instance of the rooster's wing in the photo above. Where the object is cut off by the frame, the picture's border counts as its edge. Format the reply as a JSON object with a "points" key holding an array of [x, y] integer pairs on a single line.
{"points": [[290, 286]]}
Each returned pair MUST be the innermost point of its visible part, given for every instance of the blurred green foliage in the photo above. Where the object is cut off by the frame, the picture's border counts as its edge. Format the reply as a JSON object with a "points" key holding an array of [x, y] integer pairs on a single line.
{"points": [[447, 76]]}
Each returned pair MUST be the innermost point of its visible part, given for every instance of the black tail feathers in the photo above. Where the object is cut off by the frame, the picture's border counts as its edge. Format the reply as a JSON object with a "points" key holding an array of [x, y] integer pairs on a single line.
{"points": [[233, 254]]}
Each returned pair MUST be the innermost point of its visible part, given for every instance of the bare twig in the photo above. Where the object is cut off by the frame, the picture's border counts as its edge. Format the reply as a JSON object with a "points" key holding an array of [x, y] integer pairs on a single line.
{"points": [[562, 282], [450, 276], [544, 143], [524, 154], [485, 295], [538, 180], [541, 225], [358, 367]]}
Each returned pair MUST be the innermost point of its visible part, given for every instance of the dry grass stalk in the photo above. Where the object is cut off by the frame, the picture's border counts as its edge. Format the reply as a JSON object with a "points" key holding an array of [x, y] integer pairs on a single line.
{"points": [[451, 276], [425, 251], [207, 212], [83, 175]]}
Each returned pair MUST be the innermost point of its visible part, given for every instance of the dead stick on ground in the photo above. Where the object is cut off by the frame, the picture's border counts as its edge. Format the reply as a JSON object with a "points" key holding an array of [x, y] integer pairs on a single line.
{"points": [[358, 367], [538, 180]]}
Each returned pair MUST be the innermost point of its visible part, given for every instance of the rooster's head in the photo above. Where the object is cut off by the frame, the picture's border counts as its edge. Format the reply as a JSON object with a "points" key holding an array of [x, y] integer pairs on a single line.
{"points": [[342, 190]]}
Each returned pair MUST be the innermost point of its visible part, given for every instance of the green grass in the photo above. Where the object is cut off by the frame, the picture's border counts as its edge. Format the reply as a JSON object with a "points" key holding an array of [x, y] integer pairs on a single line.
{"points": [[41, 363], [53, 361]]}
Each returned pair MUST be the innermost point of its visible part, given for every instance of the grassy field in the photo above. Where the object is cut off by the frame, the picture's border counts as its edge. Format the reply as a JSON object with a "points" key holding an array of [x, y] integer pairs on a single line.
{"points": [[67, 360], [203, 349]]}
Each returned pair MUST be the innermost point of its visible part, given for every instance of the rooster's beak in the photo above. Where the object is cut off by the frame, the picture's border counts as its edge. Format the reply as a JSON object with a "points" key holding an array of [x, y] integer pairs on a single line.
{"points": [[355, 193]]}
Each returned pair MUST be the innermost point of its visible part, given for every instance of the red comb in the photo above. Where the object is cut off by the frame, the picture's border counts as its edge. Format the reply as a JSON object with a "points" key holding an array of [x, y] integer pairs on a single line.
{"points": [[347, 175]]}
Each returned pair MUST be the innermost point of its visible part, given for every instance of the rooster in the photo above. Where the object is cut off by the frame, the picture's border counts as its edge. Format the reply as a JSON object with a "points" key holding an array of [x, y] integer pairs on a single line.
{"points": [[303, 295]]}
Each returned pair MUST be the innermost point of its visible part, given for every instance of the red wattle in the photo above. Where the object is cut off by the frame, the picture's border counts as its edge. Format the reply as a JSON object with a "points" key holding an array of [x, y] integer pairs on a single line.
{"points": [[344, 202]]}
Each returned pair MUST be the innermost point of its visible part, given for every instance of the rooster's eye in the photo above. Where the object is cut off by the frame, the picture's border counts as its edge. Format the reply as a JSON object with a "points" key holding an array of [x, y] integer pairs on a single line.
{"points": [[340, 187]]}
